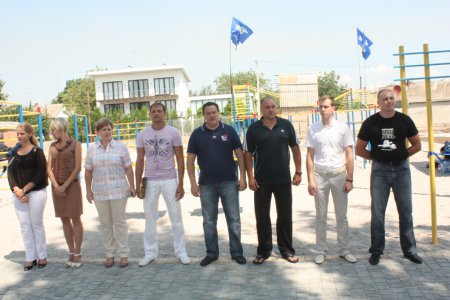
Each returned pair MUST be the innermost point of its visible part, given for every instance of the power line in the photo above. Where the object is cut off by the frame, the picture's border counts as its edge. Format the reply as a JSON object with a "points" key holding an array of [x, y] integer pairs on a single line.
{"points": [[310, 66]]}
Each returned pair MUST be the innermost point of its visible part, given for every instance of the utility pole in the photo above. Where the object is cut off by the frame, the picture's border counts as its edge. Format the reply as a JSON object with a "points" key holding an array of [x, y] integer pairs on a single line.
{"points": [[89, 114], [257, 89]]}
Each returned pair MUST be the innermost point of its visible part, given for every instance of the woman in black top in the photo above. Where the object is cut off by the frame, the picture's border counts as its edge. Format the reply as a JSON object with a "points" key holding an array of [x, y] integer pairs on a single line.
{"points": [[28, 181]]}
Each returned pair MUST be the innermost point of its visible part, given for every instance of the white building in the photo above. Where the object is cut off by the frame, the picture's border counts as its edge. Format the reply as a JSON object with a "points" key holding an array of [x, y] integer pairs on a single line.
{"points": [[197, 102], [54, 111], [131, 88]]}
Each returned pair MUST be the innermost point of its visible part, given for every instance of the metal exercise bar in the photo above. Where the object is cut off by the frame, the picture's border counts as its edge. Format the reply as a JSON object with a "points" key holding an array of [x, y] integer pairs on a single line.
{"points": [[416, 53], [422, 65]]}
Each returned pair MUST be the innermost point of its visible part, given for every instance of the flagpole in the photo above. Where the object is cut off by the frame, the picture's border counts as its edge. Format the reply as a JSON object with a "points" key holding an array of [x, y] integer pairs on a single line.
{"points": [[365, 76], [233, 102], [359, 67]]}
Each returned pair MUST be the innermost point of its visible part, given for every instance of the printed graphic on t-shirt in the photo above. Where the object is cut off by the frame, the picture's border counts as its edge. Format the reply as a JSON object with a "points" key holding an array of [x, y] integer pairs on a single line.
{"points": [[387, 134], [158, 147], [224, 137]]}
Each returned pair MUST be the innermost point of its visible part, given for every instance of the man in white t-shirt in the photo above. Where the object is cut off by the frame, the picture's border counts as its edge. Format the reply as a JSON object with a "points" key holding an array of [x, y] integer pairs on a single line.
{"points": [[157, 144], [329, 162]]}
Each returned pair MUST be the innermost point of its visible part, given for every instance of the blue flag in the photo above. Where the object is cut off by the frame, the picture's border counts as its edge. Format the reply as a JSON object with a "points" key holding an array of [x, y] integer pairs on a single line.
{"points": [[239, 32], [364, 43]]}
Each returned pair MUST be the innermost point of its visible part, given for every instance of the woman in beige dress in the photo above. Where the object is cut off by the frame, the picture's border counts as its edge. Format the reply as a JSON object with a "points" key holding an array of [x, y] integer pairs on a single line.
{"points": [[63, 168]]}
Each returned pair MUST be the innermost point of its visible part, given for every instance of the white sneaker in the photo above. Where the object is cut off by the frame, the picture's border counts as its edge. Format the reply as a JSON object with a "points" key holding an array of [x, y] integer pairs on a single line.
{"points": [[319, 259], [145, 261], [185, 260], [349, 258]]}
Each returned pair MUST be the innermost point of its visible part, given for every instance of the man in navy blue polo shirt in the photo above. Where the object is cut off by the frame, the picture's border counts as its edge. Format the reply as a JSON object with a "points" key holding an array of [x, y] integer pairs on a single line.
{"points": [[268, 142], [214, 144]]}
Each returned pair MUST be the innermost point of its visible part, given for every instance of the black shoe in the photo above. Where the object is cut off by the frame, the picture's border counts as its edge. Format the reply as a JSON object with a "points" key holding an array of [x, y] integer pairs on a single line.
{"points": [[414, 258], [207, 260], [374, 259], [28, 268], [240, 260]]}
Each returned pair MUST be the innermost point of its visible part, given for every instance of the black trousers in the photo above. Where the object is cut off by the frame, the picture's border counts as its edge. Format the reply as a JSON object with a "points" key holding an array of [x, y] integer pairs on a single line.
{"points": [[283, 202]]}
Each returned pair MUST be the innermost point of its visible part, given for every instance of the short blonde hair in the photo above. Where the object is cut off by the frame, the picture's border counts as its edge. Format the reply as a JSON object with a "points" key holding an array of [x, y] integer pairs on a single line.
{"points": [[60, 124]]}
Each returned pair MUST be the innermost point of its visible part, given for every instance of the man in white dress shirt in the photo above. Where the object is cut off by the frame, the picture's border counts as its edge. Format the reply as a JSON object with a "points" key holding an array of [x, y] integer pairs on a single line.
{"points": [[329, 163]]}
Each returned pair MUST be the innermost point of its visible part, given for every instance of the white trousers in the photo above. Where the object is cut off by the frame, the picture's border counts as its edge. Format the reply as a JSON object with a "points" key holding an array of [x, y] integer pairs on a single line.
{"points": [[335, 183], [168, 190], [114, 227], [31, 219]]}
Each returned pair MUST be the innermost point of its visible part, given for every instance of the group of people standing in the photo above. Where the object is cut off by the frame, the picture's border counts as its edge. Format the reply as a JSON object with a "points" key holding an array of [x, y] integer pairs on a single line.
{"points": [[263, 160]]}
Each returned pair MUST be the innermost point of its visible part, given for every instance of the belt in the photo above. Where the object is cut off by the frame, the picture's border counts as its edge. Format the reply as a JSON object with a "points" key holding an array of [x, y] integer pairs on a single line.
{"points": [[334, 172], [391, 163]]}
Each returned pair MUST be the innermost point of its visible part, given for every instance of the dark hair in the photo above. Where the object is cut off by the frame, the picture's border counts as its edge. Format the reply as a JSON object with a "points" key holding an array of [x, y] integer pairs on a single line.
{"points": [[325, 97], [102, 123], [210, 104], [156, 104]]}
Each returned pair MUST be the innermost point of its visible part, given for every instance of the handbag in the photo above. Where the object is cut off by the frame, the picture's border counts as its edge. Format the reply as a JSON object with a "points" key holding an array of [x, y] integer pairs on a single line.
{"points": [[143, 186]]}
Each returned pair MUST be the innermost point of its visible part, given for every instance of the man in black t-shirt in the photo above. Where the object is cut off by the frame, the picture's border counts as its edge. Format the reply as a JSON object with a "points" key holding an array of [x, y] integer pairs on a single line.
{"points": [[268, 142], [387, 132]]}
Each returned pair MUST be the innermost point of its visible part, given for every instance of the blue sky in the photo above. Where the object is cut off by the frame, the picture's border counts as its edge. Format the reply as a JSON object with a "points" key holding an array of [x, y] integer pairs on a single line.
{"points": [[44, 43]]}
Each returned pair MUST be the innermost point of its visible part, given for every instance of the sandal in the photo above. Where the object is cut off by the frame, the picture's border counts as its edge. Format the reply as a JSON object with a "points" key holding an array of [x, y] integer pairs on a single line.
{"points": [[123, 262], [76, 264], [291, 258], [109, 262], [29, 265], [42, 263], [70, 260], [259, 259]]}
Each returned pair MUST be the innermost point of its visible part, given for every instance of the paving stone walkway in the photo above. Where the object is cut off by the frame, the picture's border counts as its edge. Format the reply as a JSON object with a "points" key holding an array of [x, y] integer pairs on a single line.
{"points": [[394, 278]]}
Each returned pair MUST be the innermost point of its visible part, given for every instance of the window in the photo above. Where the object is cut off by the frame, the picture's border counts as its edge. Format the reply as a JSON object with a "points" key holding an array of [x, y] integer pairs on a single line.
{"points": [[112, 90], [109, 107], [171, 105], [138, 105], [165, 86], [138, 88], [195, 105]]}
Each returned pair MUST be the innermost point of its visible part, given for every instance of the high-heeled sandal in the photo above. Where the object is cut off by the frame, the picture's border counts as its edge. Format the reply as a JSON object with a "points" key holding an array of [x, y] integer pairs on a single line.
{"points": [[76, 265], [29, 267], [42, 263], [70, 261]]}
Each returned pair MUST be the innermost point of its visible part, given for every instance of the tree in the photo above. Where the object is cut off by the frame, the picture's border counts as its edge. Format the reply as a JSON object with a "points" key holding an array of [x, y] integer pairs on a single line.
{"points": [[223, 86], [74, 96], [172, 114], [188, 113], [329, 84], [205, 90], [227, 109], [199, 113], [2, 95]]}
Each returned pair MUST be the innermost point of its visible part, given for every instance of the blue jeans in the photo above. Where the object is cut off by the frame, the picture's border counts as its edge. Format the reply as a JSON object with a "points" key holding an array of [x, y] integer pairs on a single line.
{"points": [[229, 195], [398, 177]]}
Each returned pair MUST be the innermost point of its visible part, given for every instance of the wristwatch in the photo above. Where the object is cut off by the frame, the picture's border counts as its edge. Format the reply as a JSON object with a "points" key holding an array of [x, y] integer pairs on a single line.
{"points": [[298, 173]]}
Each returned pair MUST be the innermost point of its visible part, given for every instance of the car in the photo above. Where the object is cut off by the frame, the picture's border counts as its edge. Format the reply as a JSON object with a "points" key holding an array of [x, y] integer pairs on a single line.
{"points": [[3, 148]]}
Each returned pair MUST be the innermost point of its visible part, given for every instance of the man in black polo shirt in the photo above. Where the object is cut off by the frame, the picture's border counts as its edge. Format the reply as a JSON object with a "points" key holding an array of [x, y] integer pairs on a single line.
{"points": [[214, 144], [387, 131], [267, 142]]}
